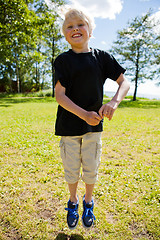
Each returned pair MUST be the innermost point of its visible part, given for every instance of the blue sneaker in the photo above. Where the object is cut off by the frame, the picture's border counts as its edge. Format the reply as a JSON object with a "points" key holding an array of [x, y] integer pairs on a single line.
{"points": [[72, 215], [88, 216]]}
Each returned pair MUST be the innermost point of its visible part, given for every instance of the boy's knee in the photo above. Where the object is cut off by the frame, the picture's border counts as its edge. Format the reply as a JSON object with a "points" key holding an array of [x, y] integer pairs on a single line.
{"points": [[71, 177], [90, 178]]}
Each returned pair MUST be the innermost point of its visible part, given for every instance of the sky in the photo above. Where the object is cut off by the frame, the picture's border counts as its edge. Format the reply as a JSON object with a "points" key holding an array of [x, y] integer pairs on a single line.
{"points": [[110, 16]]}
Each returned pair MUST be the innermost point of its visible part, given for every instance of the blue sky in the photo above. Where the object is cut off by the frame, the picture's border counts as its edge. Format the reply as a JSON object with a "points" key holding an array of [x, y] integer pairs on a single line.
{"points": [[106, 31]]}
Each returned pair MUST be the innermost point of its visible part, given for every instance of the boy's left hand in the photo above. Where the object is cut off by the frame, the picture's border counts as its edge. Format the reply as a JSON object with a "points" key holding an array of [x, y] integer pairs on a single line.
{"points": [[107, 110]]}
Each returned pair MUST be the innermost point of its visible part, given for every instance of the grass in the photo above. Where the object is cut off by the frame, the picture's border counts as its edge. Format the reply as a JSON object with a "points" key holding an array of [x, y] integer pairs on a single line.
{"points": [[33, 192], [41, 93]]}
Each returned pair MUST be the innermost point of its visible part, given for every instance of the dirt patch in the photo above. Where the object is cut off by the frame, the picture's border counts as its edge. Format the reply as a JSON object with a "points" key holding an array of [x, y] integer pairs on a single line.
{"points": [[139, 233], [11, 233], [110, 218]]}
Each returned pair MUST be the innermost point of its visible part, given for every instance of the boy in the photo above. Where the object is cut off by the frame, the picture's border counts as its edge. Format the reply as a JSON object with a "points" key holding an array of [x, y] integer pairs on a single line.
{"points": [[80, 74]]}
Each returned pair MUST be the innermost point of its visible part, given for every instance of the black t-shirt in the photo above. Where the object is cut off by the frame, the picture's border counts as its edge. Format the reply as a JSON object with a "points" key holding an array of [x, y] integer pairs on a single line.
{"points": [[83, 75]]}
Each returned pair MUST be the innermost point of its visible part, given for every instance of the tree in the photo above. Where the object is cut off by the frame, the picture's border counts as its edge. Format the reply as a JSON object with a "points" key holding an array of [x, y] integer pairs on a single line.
{"points": [[135, 49], [50, 35], [28, 44], [18, 35]]}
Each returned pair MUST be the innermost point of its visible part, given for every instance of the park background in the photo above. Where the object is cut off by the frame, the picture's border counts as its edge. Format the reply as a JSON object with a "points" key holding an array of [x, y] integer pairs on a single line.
{"points": [[33, 192], [31, 39]]}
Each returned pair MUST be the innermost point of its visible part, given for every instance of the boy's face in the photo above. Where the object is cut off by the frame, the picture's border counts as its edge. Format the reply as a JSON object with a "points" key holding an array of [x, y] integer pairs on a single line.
{"points": [[77, 33]]}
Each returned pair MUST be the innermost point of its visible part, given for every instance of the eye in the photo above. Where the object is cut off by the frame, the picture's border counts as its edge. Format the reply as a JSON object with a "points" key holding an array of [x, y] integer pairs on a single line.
{"points": [[81, 25], [70, 27]]}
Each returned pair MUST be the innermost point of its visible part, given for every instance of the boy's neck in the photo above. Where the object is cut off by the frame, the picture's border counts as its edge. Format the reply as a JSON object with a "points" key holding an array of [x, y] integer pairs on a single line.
{"points": [[81, 50]]}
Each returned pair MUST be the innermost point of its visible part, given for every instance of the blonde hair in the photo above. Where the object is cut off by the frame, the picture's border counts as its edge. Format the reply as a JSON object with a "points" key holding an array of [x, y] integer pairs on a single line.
{"points": [[74, 13]]}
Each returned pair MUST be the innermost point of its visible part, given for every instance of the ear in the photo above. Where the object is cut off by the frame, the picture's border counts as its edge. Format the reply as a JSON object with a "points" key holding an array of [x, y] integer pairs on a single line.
{"points": [[90, 32]]}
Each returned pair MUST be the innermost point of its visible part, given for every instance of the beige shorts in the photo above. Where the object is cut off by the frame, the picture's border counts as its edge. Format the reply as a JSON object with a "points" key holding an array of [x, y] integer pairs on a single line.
{"points": [[82, 151]]}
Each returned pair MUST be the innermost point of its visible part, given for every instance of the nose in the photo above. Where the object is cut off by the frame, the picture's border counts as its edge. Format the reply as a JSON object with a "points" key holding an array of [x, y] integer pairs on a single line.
{"points": [[76, 29]]}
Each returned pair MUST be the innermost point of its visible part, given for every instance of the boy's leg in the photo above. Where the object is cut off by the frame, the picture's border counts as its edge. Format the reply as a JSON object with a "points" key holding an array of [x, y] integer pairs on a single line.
{"points": [[91, 152], [71, 158], [89, 191], [73, 192], [70, 153]]}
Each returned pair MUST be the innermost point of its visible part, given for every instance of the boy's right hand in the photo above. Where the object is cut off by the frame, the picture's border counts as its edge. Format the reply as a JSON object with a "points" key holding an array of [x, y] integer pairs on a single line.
{"points": [[92, 118]]}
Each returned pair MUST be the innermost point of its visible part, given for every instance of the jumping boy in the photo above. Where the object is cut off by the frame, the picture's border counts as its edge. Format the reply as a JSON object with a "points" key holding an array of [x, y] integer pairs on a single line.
{"points": [[80, 74]]}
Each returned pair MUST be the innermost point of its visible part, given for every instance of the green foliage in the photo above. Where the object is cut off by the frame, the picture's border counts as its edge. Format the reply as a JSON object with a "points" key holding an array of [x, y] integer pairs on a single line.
{"points": [[33, 191], [16, 37], [135, 46], [28, 29], [42, 93]]}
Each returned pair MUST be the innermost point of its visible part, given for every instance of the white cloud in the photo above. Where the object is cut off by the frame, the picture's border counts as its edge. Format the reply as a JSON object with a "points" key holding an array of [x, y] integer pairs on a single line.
{"points": [[104, 43], [101, 8], [49, 3], [93, 8], [155, 18], [156, 15]]}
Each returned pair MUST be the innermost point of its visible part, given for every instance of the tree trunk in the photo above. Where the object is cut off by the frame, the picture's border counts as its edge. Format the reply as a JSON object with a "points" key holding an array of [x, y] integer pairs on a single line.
{"points": [[17, 69], [17, 76], [10, 84], [37, 77], [135, 90], [53, 52], [137, 74]]}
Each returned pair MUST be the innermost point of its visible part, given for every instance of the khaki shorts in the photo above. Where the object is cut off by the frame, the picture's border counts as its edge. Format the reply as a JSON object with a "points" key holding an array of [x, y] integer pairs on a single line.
{"points": [[82, 151]]}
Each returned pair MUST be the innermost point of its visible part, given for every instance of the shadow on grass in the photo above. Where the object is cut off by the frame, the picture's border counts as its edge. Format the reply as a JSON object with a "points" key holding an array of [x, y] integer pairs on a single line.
{"points": [[5, 105], [63, 236], [7, 102]]}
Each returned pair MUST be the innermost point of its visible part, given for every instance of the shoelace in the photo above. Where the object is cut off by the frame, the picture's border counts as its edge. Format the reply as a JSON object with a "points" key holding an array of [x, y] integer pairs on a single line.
{"points": [[72, 212], [88, 213]]}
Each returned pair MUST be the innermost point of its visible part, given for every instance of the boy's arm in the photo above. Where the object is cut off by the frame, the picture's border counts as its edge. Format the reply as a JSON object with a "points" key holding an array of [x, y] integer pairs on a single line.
{"points": [[107, 110], [92, 118]]}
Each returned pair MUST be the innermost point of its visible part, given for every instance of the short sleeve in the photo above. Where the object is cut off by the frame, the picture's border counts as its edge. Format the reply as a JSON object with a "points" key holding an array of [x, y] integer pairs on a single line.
{"points": [[111, 68], [60, 73]]}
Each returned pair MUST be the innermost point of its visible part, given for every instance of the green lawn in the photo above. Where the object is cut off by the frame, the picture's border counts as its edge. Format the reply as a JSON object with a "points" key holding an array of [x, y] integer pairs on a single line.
{"points": [[33, 192]]}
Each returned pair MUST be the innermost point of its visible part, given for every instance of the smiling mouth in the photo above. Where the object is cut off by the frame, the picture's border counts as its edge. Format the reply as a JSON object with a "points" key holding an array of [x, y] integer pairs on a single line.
{"points": [[77, 35]]}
